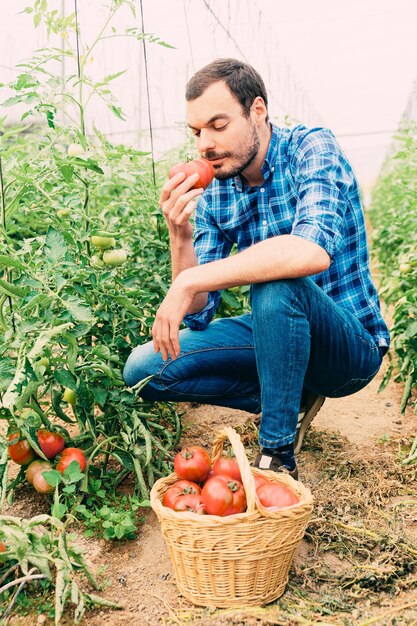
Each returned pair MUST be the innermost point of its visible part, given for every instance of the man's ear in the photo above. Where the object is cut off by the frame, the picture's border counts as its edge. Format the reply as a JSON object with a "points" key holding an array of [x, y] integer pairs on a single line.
{"points": [[259, 109]]}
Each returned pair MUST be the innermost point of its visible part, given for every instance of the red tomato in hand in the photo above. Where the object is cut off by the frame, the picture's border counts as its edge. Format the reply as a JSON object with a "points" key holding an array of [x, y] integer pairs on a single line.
{"points": [[181, 487], [50, 443], [192, 502], [227, 466], [68, 456], [40, 483], [223, 496], [20, 452], [192, 463], [35, 467], [275, 497], [202, 167]]}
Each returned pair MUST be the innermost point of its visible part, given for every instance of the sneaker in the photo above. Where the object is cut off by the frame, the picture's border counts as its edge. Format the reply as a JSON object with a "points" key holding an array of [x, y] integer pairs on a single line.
{"points": [[268, 462], [305, 417]]}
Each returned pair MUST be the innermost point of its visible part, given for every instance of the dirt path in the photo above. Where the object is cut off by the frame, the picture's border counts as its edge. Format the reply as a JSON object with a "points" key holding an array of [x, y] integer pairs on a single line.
{"points": [[139, 574]]}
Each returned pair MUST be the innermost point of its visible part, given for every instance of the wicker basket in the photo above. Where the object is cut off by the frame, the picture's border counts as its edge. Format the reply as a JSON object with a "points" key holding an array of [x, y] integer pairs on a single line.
{"points": [[240, 559]]}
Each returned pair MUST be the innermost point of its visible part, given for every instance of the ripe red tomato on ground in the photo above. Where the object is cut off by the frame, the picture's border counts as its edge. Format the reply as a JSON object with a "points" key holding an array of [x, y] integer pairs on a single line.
{"points": [[40, 483], [275, 496], [191, 502], [223, 496], [50, 443], [181, 487], [36, 466], [68, 456], [193, 464], [20, 451], [3, 547], [202, 167], [227, 466]]}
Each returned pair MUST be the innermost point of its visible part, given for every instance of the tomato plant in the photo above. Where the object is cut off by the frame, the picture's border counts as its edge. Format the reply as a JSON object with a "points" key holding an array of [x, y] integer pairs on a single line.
{"points": [[192, 463], [68, 456], [202, 167], [19, 450], [50, 443], [223, 496]]}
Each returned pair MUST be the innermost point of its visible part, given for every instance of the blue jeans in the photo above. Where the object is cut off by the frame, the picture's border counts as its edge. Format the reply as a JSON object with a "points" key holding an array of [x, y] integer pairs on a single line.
{"points": [[295, 338]]}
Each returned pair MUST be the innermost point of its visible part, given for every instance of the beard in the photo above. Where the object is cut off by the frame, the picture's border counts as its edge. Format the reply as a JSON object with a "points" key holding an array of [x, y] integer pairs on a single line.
{"points": [[242, 158]]}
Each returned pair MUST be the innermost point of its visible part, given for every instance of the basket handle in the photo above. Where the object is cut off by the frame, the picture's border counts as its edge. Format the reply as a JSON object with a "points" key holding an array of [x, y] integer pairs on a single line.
{"points": [[247, 479]]}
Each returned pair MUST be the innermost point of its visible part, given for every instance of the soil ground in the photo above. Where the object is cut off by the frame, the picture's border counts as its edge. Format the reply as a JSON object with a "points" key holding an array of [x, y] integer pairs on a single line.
{"points": [[357, 562]]}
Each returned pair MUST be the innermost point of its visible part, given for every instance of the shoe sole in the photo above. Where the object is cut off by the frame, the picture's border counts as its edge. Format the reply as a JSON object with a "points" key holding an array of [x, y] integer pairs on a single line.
{"points": [[306, 421]]}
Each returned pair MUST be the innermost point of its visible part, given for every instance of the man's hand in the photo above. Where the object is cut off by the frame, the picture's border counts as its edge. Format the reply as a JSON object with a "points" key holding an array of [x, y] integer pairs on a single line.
{"points": [[169, 317], [177, 201]]}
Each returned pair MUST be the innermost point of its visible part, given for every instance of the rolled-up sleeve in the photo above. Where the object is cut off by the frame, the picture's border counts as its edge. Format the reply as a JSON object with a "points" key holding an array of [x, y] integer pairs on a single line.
{"points": [[210, 245], [323, 177]]}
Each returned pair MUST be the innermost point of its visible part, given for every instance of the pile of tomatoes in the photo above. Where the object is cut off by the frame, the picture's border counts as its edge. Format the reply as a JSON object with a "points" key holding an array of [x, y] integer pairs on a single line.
{"points": [[217, 489], [51, 444]]}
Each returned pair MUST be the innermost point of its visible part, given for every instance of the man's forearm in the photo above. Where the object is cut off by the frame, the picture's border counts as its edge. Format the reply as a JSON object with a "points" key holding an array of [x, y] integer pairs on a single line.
{"points": [[183, 257], [285, 256]]}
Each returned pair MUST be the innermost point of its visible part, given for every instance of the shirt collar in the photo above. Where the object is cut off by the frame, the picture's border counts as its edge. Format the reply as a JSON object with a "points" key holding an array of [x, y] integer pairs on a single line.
{"points": [[269, 163]]}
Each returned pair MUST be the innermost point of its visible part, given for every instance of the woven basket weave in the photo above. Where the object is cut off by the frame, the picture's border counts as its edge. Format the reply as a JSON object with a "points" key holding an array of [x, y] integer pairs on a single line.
{"points": [[238, 560]]}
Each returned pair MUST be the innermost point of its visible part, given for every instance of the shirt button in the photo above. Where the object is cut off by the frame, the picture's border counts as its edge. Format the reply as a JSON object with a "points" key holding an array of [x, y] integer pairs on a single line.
{"points": [[272, 169], [262, 190], [264, 222]]}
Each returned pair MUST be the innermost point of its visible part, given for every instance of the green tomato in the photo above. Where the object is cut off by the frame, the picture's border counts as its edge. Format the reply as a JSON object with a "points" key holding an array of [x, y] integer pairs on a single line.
{"points": [[97, 262], [405, 268], [75, 149], [63, 212], [103, 242], [43, 361], [115, 257], [69, 396]]}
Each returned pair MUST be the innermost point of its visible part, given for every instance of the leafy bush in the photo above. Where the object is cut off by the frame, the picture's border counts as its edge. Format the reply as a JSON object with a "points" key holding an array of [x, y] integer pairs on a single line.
{"points": [[394, 217]]}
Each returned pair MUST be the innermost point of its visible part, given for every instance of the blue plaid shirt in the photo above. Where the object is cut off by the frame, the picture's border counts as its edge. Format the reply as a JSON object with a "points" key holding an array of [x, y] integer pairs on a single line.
{"points": [[309, 190]]}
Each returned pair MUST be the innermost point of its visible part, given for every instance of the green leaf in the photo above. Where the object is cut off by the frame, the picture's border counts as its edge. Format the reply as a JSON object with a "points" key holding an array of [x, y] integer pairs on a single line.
{"points": [[55, 245], [128, 305], [100, 395], [67, 172], [8, 261], [118, 112], [65, 378], [79, 311], [53, 477], [125, 459], [103, 352], [89, 164], [411, 330]]}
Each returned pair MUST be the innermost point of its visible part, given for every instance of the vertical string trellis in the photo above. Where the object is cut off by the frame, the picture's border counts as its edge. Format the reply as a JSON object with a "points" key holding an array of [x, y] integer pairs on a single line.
{"points": [[148, 92], [77, 43], [3, 222]]}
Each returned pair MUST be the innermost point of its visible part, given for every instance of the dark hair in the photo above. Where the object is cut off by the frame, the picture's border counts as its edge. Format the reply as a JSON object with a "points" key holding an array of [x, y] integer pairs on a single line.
{"points": [[242, 79]]}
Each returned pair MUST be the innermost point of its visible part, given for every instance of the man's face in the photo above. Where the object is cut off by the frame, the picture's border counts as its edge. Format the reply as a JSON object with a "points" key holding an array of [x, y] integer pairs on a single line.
{"points": [[223, 134]]}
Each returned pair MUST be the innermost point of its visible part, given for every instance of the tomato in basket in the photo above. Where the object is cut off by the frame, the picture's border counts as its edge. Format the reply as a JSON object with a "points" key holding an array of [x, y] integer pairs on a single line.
{"points": [[192, 463], [192, 502], [275, 496], [181, 487], [223, 496], [227, 466]]}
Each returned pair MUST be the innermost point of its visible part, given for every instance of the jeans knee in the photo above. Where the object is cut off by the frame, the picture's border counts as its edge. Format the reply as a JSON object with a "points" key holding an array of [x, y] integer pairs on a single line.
{"points": [[278, 294], [141, 363]]}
